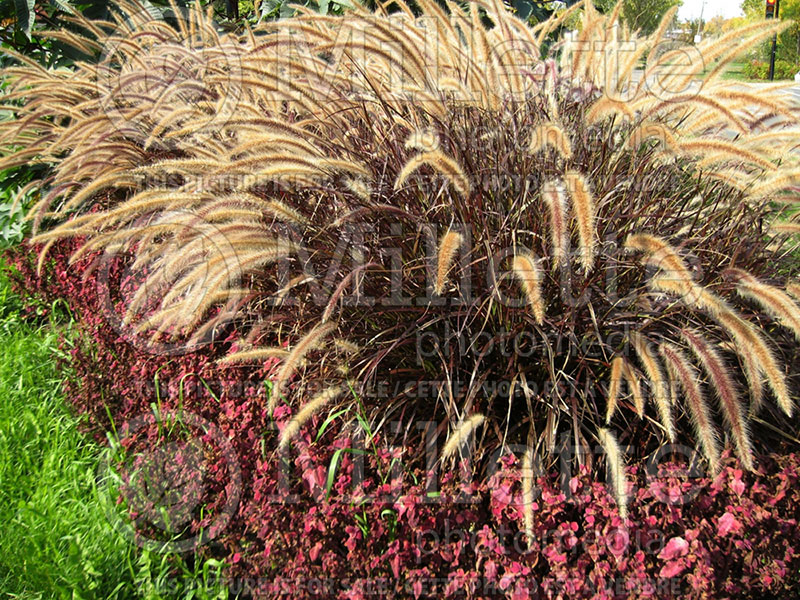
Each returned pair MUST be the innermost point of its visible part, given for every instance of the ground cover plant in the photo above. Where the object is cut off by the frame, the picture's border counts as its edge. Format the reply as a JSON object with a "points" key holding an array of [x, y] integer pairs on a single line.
{"points": [[427, 228]]}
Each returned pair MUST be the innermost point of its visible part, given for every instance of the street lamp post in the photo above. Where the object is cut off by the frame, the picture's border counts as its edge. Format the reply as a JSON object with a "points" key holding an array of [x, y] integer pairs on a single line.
{"points": [[698, 37], [773, 8]]}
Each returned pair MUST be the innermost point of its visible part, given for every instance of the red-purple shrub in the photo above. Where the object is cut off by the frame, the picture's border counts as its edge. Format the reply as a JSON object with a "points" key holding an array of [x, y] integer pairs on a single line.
{"points": [[380, 529], [737, 537]]}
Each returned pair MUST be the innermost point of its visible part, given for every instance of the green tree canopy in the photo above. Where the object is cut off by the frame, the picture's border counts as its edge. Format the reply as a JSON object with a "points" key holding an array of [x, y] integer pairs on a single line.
{"points": [[641, 15]]}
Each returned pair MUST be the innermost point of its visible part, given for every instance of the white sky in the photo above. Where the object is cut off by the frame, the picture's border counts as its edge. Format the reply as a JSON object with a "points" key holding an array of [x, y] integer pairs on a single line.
{"points": [[726, 8]]}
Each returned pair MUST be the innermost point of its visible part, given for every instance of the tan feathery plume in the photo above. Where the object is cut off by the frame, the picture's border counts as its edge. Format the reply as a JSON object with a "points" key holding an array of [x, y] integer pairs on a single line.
{"points": [[635, 387], [354, 275], [700, 123], [731, 177], [346, 346], [722, 384], [448, 247], [775, 302], [546, 27], [553, 135], [551, 95], [293, 283], [753, 374], [526, 268], [223, 269], [426, 140], [749, 99], [616, 469], [289, 161], [608, 107], [441, 163], [309, 341], [181, 165], [149, 201], [115, 178], [284, 212], [687, 101], [733, 151], [642, 46], [256, 354], [206, 274], [751, 345], [756, 355], [581, 48], [752, 370], [223, 215], [660, 254], [359, 188], [785, 138], [659, 382], [728, 46], [451, 84], [784, 227], [615, 379], [648, 130], [527, 493], [555, 197], [584, 208], [280, 171], [304, 414], [649, 244], [775, 183], [687, 377], [461, 434], [274, 140], [794, 290]]}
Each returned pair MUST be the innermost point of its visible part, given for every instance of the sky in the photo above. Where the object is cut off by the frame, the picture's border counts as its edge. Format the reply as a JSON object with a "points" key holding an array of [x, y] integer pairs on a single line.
{"points": [[726, 8]]}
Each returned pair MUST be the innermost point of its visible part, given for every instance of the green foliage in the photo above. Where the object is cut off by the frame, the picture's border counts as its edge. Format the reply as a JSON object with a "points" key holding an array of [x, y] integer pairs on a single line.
{"points": [[14, 199], [24, 13], [537, 10], [788, 48], [645, 15], [756, 9], [12, 228], [759, 69], [641, 15]]}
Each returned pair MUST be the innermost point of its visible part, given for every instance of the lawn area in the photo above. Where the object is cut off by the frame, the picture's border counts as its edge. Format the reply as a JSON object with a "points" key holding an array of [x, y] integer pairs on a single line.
{"points": [[736, 71], [57, 541]]}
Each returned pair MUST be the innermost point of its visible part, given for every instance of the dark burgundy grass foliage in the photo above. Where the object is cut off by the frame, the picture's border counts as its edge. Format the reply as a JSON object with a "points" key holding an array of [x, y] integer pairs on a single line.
{"points": [[369, 260]]}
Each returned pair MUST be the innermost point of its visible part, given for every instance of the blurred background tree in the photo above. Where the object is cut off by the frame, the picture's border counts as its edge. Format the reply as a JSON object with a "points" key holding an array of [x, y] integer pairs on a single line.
{"points": [[19, 19], [641, 15], [645, 15]]}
